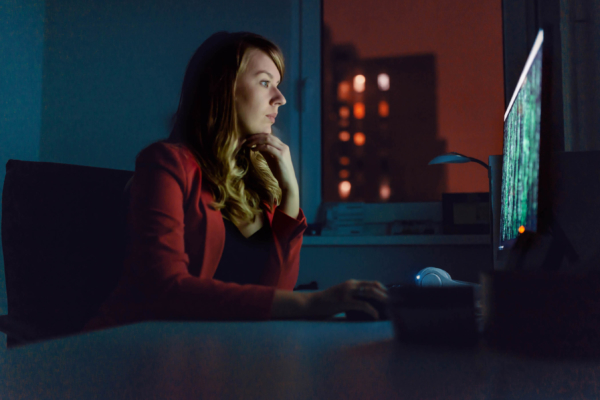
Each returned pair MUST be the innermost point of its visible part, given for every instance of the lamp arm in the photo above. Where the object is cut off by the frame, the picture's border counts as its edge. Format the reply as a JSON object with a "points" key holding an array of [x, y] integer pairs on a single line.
{"points": [[472, 159], [479, 162]]}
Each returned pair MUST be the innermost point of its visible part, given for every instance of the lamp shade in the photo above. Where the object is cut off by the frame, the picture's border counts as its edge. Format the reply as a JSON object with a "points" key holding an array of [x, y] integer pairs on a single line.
{"points": [[451, 158]]}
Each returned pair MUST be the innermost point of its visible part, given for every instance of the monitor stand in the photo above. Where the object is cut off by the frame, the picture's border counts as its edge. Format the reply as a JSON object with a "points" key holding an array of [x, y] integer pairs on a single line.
{"points": [[549, 252], [560, 247]]}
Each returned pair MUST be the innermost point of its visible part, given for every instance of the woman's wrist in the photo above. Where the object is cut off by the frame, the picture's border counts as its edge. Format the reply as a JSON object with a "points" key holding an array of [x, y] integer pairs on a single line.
{"points": [[291, 188], [290, 305], [290, 201]]}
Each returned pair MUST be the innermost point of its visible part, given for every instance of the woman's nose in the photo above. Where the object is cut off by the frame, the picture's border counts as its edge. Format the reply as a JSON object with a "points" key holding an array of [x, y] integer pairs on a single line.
{"points": [[279, 98]]}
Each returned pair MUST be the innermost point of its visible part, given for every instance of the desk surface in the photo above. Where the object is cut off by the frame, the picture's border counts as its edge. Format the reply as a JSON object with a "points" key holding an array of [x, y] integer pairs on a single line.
{"points": [[333, 359]]}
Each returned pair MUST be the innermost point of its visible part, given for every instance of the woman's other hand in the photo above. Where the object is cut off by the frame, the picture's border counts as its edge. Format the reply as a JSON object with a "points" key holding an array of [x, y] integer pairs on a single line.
{"points": [[327, 303], [342, 298]]}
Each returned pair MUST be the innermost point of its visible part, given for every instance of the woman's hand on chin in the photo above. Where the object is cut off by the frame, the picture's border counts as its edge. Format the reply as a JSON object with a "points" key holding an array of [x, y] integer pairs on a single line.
{"points": [[278, 158]]}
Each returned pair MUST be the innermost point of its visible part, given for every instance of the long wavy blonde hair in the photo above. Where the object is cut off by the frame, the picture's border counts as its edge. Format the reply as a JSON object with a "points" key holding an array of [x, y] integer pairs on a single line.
{"points": [[207, 123]]}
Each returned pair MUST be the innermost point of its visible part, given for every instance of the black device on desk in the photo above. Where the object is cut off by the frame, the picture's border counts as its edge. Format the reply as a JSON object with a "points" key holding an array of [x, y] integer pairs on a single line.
{"points": [[427, 277]]}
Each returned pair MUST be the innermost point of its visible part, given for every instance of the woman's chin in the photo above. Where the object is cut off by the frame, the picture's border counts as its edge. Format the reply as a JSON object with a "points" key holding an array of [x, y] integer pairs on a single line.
{"points": [[265, 129]]}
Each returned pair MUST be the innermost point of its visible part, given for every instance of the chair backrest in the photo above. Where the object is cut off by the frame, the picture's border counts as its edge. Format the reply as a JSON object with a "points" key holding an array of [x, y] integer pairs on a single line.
{"points": [[64, 238]]}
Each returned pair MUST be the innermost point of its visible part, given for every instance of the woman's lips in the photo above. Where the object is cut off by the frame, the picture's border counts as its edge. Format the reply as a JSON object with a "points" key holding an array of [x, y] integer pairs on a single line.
{"points": [[272, 118]]}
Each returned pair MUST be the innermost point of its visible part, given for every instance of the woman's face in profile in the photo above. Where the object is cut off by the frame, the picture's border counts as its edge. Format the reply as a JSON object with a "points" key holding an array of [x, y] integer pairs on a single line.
{"points": [[257, 98]]}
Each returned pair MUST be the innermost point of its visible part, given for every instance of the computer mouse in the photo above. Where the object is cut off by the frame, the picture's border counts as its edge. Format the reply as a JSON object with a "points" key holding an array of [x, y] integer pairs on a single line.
{"points": [[357, 315]]}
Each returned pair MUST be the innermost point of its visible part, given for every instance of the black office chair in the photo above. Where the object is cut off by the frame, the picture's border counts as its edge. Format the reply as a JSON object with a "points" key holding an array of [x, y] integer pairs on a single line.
{"points": [[64, 239]]}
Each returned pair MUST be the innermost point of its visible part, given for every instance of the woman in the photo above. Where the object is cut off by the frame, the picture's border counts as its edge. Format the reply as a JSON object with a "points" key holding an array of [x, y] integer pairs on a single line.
{"points": [[214, 221]]}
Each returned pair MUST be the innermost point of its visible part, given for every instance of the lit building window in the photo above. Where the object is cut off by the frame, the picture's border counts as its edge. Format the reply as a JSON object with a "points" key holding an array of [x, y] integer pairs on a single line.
{"points": [[344, 112], [344, 136], [384, 191], [359, 83], [344, 91], [344, 189], [344, 160], [383, 81], [359, 138], [384, 108], [344, 174], [359, 110]]}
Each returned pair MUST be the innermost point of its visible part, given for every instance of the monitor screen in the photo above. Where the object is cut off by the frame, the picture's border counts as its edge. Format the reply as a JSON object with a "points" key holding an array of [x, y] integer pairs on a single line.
{"points": [[521, 156]]}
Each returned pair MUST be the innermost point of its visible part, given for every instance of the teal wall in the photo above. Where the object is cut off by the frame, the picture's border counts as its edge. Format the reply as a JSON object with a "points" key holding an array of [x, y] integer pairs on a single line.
{"points": [[21, 59], [92, 82], [113, 70], [332, 265]]}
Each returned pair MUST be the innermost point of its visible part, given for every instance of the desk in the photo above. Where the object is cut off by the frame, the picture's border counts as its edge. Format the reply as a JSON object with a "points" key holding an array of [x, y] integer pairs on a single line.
{"points": [[333, 359]]}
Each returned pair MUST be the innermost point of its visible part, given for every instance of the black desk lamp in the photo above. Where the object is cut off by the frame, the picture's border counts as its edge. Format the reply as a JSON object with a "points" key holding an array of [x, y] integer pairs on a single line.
{"points": [[456, 158]]}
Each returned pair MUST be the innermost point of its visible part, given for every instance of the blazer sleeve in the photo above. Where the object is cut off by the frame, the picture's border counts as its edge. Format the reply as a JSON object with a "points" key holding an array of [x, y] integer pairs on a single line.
{"points": [[287, 237], [158, 260]]}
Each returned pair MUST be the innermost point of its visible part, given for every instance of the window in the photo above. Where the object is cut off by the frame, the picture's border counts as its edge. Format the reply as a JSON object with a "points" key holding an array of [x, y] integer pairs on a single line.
{"points": [[401, 83]]}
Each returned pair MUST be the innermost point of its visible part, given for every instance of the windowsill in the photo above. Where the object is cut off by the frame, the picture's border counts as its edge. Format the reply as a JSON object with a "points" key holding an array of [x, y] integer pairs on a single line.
{"points": [[402, 240]]}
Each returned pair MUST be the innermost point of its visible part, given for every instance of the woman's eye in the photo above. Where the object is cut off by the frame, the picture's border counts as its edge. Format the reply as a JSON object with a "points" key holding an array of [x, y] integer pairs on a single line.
{"points": [[267, 82]]}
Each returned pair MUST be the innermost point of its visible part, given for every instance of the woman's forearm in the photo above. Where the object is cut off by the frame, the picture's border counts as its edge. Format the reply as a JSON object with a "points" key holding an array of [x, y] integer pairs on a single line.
{"points": [[290, 201]]}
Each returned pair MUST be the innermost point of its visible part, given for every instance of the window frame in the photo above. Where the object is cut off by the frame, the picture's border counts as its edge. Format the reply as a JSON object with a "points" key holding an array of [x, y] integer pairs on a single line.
{"points": [[310, 124]]}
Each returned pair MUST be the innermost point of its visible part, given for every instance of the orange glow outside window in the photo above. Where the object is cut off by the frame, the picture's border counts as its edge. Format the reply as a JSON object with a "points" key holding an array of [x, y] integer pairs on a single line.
{"points": [[359, 110], [344, 91], [383, 81], [344, 174], [344, 189], [344, 112], [384, 191], [344, 160], [344, 136], [359, 83], [521, 229], [384, 108], [359, 138]]}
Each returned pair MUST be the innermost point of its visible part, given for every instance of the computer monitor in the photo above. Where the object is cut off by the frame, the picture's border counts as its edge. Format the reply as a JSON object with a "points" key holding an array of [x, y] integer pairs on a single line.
{"points": [[521, 156]]}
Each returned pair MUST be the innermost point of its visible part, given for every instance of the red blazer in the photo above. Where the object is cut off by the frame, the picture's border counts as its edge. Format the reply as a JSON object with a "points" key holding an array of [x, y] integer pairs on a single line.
{"points": [[176, 242]]}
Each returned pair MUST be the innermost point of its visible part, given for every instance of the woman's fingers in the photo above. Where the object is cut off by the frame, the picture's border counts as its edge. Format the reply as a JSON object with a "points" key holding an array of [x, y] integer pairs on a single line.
{"points": [[373, 289], [266, 143], [264, 138], [342, 297], [381, 286], [266, 147], [279, 160], [365, 307]]}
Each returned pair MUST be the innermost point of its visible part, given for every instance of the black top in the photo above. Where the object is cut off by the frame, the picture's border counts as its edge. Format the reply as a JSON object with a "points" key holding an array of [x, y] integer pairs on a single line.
{"points": [[244, 259]]}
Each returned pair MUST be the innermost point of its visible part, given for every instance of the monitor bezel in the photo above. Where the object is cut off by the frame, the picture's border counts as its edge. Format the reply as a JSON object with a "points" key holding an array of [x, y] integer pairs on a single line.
{"points": [[535, 49]]}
